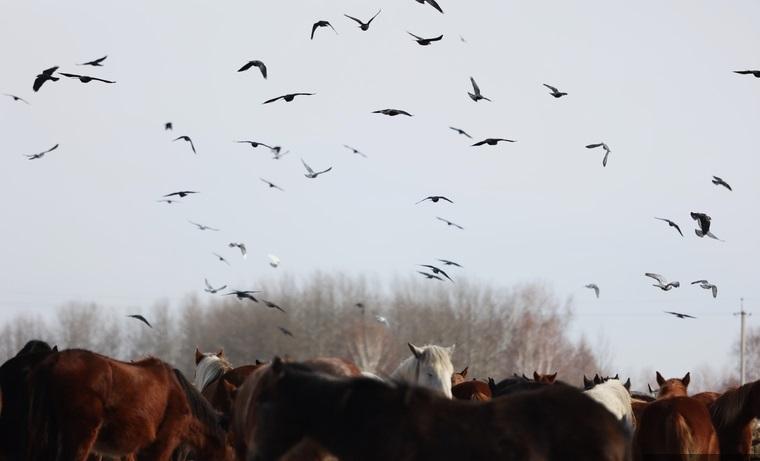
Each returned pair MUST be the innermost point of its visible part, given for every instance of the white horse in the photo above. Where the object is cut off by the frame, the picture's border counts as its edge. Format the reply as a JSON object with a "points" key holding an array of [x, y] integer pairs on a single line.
{"points": [[615, 398], [208, 367], [429, 366]]}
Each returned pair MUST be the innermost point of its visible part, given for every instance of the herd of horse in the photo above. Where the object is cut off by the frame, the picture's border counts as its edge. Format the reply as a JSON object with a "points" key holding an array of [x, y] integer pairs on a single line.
{"points": [[77, 405]]}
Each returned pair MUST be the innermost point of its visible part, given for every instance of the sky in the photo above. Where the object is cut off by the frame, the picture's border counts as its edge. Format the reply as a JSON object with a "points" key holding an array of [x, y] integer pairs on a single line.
{"points": [[652, 79]]}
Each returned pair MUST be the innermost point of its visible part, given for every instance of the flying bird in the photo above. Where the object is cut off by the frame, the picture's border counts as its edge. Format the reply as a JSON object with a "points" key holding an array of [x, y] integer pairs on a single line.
{"points": [[492, 141], [363, 25], [704, 223], [392, 112], [254, 144], [202, 227], [446, 262], [182, 193], [707, 286], [425, 41], [594, 287], [434, 199], [272, 185], [437, 271], [168, 201], [16, 98], [272, 305], [241, 295], [277, 153], [41, 154], [140, 318], [449, 223], [210, 289], [239, 246], [168, 126], [430, 276], [43, 77], [355, 151], [221, 258], [555, 92], [286, 332], [662, 282], [720, 182], [260, 65], [476, 95], [319, 24], [432, 3], [288, 97], [603, 146], [461, 131], [679, 315], [383, 320], [274, 261], [755, 73], [188, 140], [671, 224], [85, 78], [311, 174], [95, 62]]}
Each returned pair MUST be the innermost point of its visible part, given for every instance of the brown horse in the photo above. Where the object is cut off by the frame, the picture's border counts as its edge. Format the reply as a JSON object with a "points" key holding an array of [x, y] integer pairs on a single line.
{"points": [[459, 377], [673, 387], [675, 428], [471, 390], [221, 392], [732, 415], [85, 403], [246, 411], [365, 419]]}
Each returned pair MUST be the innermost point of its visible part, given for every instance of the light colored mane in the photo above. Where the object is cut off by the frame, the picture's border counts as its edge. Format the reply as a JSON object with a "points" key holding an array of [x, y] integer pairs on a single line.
{"points": [[208, 369], [431, 357], [615, 398]]}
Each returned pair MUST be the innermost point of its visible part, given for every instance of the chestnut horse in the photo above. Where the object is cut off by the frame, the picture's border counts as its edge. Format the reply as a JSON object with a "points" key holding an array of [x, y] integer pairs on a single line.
{"points": [[218, 381], [459, 377], [673, 387], [732, 415], [546, 379], [83, 403], [365, 419], [471, 390], [245, 410]]}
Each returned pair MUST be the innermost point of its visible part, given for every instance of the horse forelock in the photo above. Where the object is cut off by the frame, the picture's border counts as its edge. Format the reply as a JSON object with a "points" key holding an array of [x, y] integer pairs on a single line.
{"points": [[210, 368]]}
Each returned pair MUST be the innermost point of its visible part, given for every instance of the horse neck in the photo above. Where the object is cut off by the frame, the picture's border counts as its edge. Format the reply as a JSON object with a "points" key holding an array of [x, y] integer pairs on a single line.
{"points": [[408, 370]]}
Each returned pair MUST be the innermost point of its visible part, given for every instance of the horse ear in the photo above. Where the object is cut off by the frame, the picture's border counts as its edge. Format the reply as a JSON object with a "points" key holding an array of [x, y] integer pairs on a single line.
{"points": [[415, 350], [220, 353], [55, 348], [651, 391], [660, 379], [259, 362], [587, 382], [627, 384], [451, 349], [198, 355], [464, 372], [686, 379], [491, 383], [598, 379], [617, 376], [525, 377], [277, 366], [553, 377]]}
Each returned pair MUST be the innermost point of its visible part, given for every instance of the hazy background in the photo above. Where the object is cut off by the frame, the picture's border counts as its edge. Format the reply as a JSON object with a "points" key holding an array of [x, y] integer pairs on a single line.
{"points": [[652, 79]]}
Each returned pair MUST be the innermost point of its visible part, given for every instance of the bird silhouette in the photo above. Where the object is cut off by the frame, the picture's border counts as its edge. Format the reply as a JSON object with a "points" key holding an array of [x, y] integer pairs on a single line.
{"points": [[221, 258], [355, 151], [239, 246], [272, 185], [319, 24], [182, 193], [44, 76], [446, 262], [671, 224], [311, 174], [720, 182], [755, 73], [287, 97], [16, 98], [679, 315], [430, 276], [432, 3], [434, 199], [95, 62], [555, 92], [210, 289], [188, 140], [707, 286], [594, 287], [274, 261], [203, 227], [392, 112], [425, 41], [272, 305], [704, 222], [363, 25], [662, 282], [168, 126], [168, 201], [241, 295], [260, 65], [437, 271], [286, 332], [449, 223], [383, 320], [603, 146], [492, 141], [41, 154], [140, 318], [461, 131], [254, 144], [85, 78], [476, 94]]}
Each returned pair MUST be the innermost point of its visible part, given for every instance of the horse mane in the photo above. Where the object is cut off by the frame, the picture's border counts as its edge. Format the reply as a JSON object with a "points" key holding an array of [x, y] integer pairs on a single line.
{"points": [[209, 369], [731, 406], [431, 354], [200, 407]]}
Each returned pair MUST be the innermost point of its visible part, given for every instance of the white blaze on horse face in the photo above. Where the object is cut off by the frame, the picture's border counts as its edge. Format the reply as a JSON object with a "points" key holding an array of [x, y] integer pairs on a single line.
{"points": [[429, 366]]}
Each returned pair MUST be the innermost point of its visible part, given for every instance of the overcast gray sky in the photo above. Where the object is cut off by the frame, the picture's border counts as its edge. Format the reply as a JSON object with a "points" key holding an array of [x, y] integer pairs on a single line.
{"points": [[651, 78]]}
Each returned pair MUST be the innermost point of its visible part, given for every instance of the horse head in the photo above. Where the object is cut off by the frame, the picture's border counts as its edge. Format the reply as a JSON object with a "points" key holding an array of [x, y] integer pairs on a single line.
{"points": [[459, 377], [545, 379], [673, 387], [430, 366]]}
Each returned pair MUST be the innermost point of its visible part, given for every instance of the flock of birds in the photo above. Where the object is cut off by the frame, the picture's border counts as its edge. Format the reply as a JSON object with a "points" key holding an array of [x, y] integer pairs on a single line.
{"points": [[431, 272]]}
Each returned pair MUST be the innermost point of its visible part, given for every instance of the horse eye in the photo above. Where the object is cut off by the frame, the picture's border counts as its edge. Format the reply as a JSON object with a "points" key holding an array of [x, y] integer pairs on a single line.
{"points": [[430, 375]]}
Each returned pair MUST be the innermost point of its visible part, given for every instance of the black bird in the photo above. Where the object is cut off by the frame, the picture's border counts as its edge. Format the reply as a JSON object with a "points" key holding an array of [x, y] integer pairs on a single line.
{"points": [[434, 199], [319, 24], [461, 131], [555, 92], [392, 112], [430, 276], [241, 247], [272, 185], [363, 25], [140, 318], [187, 139], [671, 224], [355, 151], [168, 126], [603, 146], [16, 98], [492, 141], [211, 289], [286, 332], [704, 222], [755, 73], [243, 295], [255, 144], [476, 95], [41, 154], [203, 227], [432, 3], [272, 305], [720, 182], [169, 201], [262, 67], [182, 193], [662, 282], [446, 262], [85, 78], [43, 77], [221, 258], [437, 271], [95, 62], [449, 223], [679, 315], [425, 41], [288, 97]]}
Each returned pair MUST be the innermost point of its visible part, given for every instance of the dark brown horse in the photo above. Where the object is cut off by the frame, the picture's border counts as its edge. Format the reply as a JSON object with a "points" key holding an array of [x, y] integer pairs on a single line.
{"points": [[222, 391], [246, 412], [471, 390], [83, 403], [14, 397], [369, 420], [673, 387], [732, 415], [674, 428]]}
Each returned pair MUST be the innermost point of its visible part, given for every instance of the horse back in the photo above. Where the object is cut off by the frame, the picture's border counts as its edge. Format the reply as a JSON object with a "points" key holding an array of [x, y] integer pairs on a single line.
{"points": [[471, 390], [676, 426]]}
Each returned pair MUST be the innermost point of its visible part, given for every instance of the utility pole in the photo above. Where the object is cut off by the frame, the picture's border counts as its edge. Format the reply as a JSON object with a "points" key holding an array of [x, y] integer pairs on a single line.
{"points": [[742, 342]]}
